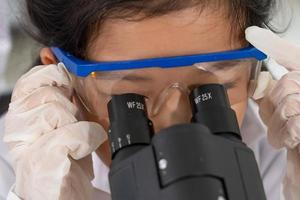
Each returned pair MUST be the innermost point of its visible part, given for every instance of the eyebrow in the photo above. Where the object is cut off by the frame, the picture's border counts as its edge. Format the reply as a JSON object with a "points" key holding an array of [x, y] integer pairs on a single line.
{"points": [[226, 64], [113, 75]]}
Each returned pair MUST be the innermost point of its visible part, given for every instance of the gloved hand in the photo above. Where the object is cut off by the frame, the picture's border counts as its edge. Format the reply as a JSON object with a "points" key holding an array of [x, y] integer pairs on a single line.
{"points": [[50, 147], [280, 107]]}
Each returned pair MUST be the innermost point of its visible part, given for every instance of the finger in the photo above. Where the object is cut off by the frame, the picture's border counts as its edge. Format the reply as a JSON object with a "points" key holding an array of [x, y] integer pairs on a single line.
{"points": [[291, 184], [264, 85], [276, 128], [293, 132], [41, 76], [81, 138], [79, 181], [39, 97], [48, 156], [287, 85], [283, 129], [28, 126], [35, 168], [86, 164], [100, 194], [284, 52], [266, 110]]}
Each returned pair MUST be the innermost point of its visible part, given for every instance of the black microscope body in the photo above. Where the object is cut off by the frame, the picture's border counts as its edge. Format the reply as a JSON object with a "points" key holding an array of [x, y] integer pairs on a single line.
{"points": [[205, 159]]}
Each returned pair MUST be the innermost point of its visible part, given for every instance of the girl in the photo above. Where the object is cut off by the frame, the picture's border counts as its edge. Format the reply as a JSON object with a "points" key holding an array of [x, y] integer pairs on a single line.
{"points": [[58, 117]]}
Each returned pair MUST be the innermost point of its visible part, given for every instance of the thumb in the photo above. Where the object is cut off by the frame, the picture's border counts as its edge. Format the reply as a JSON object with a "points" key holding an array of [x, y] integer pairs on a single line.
{"points": [[81, 138], [284, 52]]}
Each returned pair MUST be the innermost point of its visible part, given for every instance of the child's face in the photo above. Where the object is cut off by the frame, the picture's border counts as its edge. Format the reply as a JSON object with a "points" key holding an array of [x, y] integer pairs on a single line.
{"points": [[181, 33]]}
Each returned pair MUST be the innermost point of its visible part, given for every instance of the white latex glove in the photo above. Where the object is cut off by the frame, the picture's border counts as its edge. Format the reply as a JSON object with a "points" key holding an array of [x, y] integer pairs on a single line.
{"points": [[50, 147], [280, 107]]}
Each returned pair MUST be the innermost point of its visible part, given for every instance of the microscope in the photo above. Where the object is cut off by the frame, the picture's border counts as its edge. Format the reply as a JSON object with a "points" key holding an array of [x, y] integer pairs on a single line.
{"points": [[202, 160]]}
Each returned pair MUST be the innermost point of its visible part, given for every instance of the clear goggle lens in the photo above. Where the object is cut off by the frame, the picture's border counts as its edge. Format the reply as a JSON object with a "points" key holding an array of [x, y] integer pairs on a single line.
{"points": [[167, 88]]}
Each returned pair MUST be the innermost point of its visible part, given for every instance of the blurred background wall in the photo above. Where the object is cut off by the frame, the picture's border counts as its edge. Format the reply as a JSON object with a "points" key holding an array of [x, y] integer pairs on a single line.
{"points": [[293, 33], [23, 49]]}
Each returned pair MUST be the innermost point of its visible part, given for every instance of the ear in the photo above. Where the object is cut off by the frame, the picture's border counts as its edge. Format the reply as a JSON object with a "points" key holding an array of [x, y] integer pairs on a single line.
{"points": [[47, 56]]}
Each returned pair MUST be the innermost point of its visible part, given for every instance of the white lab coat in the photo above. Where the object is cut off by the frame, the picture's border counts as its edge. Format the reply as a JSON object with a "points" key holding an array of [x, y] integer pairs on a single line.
{"points": [[271, 162], [7, 176]]}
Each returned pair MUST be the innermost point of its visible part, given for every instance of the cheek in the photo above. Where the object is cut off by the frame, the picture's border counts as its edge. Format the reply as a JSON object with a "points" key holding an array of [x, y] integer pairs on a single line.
{"points": [[240, 110], [104, 153], [239, 96], [94, 110], [94, 101]]}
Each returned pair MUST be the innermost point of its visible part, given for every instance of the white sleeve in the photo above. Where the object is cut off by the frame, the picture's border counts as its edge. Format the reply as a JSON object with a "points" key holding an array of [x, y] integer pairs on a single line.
{"points": [[272, 165], [271, 162], [11, 195], [97, 195], [7, 176], [281, 193]]}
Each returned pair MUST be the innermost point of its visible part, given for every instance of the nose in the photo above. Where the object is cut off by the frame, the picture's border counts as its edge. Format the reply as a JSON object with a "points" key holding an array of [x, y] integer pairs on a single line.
{"points": [[174, 109]]}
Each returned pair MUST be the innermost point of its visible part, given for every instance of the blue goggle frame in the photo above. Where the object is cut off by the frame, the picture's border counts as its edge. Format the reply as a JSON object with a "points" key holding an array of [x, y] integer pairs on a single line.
{"points": [[83, 68]]}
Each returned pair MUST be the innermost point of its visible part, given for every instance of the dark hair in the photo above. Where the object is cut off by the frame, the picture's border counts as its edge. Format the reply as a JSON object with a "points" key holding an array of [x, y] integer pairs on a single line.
{"points": [[70, 23]]}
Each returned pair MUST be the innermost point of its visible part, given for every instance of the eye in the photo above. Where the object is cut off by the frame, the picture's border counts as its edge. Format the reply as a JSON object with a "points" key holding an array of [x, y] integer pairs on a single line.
{"points": [[128, 90], [227, 85], [230, 85]]}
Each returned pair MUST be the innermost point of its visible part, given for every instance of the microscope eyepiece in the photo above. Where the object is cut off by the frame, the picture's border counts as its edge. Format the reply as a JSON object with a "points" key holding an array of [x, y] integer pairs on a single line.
{"points": [[129, 123], [211, 107]]}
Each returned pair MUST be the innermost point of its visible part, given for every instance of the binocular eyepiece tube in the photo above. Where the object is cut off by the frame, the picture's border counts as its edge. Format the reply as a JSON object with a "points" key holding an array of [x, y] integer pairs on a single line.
{"points": [[204, 159], [130, 125]]}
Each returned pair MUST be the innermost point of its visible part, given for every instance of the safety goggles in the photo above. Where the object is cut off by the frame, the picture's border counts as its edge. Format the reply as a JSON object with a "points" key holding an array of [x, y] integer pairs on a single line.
{"points": [[165, 82], [83, 68]]}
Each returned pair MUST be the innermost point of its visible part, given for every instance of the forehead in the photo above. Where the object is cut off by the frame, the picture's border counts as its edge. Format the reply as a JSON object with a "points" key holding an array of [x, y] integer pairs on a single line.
{"points": [[181, 33]]}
